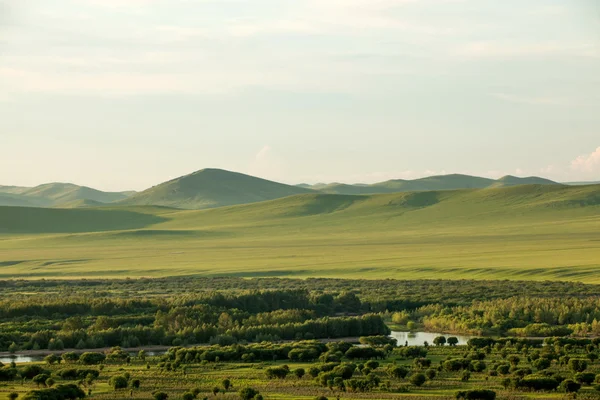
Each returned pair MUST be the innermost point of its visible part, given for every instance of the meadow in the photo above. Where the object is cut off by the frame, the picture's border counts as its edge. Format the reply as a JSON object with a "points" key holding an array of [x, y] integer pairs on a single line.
{"points": [[523, 233]]}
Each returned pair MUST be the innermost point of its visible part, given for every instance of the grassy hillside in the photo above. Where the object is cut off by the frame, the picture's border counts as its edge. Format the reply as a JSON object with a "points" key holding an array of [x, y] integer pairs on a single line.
{"points": [[56, 195], [13, 189], [18, 200], [59, 193], [442, 182], [509, 180], [211, 188], [534, 232]]}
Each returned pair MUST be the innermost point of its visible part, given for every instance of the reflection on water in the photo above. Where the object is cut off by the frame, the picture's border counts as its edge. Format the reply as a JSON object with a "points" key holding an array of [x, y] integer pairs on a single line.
{"points": [[413, 339], [419, 338], [20, 359]]}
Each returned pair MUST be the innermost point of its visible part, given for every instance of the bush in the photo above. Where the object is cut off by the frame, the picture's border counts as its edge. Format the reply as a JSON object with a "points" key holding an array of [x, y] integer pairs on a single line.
{"points": [[534, 382], [466, 375], [91, 358], [248, 393], [30, 371], [188, 396], [418, 380], [160, 396], [431, 374], [585, 378], [277, 372], [578, 365], [570, 386], [40, 379], [456, 364], [397, 372], [118, 382], [542, 364], [476, 395], [61, 392]]}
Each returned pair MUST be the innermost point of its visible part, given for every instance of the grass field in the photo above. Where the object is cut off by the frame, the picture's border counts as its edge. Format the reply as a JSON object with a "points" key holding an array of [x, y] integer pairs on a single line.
{"points": [[523, 232]]}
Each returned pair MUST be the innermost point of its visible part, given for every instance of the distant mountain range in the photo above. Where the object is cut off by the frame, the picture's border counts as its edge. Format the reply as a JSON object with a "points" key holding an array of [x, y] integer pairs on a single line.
{"points": [[211, 188], [441, 182], [62, 195]]}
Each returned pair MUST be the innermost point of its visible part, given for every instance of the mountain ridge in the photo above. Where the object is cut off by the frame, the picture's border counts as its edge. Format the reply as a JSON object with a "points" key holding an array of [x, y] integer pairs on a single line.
{"points": [[211, 188]]}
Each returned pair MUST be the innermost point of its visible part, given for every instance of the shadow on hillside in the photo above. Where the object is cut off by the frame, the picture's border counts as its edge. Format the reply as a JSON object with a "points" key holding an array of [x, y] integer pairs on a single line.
{"points": [[19, 220]]}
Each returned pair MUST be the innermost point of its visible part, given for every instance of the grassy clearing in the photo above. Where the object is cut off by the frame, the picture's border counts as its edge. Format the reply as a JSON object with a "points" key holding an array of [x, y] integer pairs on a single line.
{"points": [[524, 232]]}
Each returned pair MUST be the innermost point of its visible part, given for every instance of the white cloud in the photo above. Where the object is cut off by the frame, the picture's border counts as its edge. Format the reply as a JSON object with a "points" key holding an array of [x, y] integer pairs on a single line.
{"points": [[534, 100], [587, 162]]}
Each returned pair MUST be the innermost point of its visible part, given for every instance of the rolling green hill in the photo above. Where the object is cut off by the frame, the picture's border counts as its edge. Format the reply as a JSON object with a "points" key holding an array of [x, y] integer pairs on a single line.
{"points": [[441, 182], [539, 232], [509, 180], [210, 188], [56, 195]]}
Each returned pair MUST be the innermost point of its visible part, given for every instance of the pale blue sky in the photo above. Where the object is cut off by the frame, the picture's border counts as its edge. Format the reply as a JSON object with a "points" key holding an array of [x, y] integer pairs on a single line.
{"points": [[124, 94]]}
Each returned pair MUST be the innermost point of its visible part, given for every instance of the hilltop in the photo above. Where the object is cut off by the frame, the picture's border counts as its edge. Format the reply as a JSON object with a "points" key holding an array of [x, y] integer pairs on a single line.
{"points": [[210, 188], [56, 195], [440, 182], [539, 232]]}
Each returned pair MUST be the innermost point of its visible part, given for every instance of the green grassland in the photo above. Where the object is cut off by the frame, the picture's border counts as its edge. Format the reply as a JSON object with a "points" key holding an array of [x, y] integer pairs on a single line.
{"points": [[533, 232]]}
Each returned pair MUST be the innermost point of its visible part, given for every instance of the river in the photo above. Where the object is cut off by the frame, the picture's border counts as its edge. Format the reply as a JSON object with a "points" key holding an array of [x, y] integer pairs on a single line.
{"points": [[413, 339]]}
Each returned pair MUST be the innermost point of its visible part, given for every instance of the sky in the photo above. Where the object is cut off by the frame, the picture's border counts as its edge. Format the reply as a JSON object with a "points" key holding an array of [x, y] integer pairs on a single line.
{"points": [[125, 94]]}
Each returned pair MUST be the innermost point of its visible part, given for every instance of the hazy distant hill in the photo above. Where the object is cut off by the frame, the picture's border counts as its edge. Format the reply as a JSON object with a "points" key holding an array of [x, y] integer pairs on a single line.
{"points": [[13, 189], [56, 195], [210, 188], [441, 182], [509, 180], [581, 183]]}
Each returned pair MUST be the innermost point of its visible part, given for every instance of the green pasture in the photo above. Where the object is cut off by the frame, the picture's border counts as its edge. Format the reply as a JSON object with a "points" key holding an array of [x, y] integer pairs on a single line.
{"points": [[523, 232]]}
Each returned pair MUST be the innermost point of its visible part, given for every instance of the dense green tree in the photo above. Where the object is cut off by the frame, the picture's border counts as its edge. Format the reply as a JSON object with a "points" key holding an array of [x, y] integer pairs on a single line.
{"points": [[418, 379]]}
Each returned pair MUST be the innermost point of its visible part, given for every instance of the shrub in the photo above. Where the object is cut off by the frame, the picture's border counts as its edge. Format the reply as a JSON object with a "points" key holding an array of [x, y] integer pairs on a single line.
{"points": [[40, 379], [30, 371], [578, 365], [397, 372], [277, 372], [160, 396], [418, 379], [476, 395], [61, 392], [118, 382], [248, 393], [431, 374], [534, 382], [91, 358], [585, 378], [570, 386]]}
